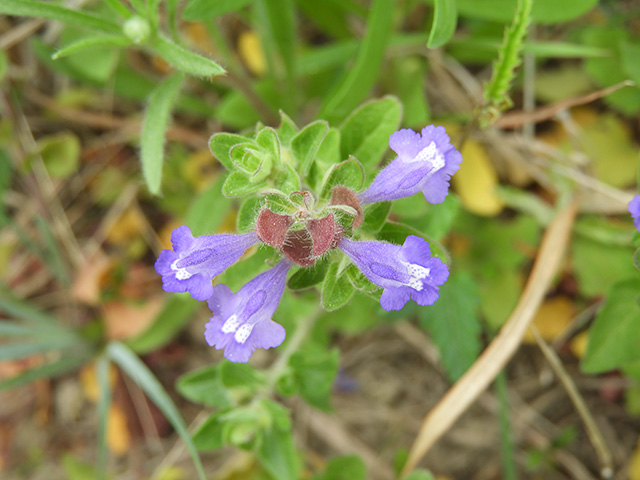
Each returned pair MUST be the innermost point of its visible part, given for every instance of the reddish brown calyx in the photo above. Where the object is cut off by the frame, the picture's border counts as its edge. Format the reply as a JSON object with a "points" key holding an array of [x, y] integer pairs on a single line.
{"points": [[345, 196], [272, 228]]}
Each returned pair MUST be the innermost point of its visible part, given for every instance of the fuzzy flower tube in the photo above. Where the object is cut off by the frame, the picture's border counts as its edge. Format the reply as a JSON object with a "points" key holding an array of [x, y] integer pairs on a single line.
{"points": [[405, 272], [195, 261], [425, 163], [241, 321]]}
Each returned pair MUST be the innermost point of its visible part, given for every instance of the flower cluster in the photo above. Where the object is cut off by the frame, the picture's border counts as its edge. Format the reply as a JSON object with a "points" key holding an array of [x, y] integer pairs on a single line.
{"points": [[303, 232]]}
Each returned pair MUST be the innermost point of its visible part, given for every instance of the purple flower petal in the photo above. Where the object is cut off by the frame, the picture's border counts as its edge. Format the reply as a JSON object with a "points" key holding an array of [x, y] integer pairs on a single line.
{"points": [[425, 163], [195, 261], [241, 322], [634, 210], [405, 272]]}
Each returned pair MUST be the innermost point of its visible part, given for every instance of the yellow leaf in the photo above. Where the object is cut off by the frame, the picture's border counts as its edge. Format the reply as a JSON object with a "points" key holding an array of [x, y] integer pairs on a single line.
{"points": [[251, 53], [476, 181], [553, 317], [634, 464], [118, 435]]}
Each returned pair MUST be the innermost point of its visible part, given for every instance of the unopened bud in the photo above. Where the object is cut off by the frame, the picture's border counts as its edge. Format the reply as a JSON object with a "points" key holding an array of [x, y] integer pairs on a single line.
{"points": [[136, 29]]}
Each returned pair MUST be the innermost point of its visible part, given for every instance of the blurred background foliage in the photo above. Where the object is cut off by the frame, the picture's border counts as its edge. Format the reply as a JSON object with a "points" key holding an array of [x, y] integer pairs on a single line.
{"points": [[107, 108]]}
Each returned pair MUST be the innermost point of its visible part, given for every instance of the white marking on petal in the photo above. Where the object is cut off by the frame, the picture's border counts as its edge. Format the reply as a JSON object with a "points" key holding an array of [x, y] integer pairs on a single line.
{"points": [[231, 325], [243, 333], [416, 273], [181, 273], [429, 154]]}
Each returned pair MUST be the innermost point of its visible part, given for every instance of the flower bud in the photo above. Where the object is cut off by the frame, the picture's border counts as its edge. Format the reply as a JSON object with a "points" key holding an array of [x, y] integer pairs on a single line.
{"points": [[136, 29]]}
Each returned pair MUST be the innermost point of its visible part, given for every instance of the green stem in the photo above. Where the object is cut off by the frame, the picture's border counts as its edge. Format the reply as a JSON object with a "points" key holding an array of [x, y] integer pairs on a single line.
{"points": [[509, 471]]}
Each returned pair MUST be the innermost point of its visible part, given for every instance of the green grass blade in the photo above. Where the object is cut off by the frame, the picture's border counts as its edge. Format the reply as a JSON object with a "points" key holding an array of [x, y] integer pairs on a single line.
{"points": [[496, 92], [359, 80], [53, 256], [140, 373], [14, 351], [509, 471], [16, 308], [118, 7], [102, 373], [48, 370], [155, 123], [88, 43], [445, 20], [13, 329], [51, 11], [185, 60]]}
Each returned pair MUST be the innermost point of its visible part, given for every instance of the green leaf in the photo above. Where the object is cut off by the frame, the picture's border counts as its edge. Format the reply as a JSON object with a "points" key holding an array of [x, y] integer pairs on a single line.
{"points": [[360, 78], [13, 329], [204, 386], [306, 143], [454, 325], [90, 43], [13, 307], [315, 373], [278, 456], [287, 129], [247, 214], [155, 123], [267, 139], [234, 375], [615, 335], [348, 174], [103, 365], [30, 8], [544, 11], [60, 154], [210, 435], [185, 60], [221, 145], [309, 276], [375, 216], [409, 75], [239, 184], [344, 468], [336, 290], [361, 282], [201, 217], [365, 133], [140, 373], [178, 310], [206, 10], [14, 351], [445, 19], [419, 475]]}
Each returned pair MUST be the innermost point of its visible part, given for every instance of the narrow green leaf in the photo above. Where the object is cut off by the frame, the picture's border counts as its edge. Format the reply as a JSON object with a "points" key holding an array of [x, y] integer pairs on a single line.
{"points": [[140, 373], [365, 133], [53, 255], [544, 11], [496, 92], [14, 351], [48, 370], [20, 309], [178, 310], [336, 290], [119, 8], [615, 335], [89, 43], [454, 325], [445, 19], [13, 329], [185, 60], [204, 386], [155, 123], [205, 10], [358, 80], [51, 11], [306, 143]]}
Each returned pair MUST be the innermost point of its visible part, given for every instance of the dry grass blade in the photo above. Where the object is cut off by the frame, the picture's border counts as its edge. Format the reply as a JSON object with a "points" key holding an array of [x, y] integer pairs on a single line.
{"points": [[498, 353], [597, 440], [517, 119]]}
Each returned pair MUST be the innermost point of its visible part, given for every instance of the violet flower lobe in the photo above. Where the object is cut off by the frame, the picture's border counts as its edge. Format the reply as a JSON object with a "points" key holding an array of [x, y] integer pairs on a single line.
{"points": [[241, 322], [405, 272], [425, 163], [195, 261], [634, 210]]}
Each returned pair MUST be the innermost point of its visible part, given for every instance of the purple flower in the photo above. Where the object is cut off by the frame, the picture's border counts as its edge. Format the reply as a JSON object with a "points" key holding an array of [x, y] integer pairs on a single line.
{"points": [[425, 163], [405, 272], [241, 322], [634, 210], [194, 262]]}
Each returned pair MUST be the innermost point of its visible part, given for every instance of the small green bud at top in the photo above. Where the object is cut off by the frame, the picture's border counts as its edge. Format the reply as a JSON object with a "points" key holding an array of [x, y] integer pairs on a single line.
{"points": [[136, 29]]}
